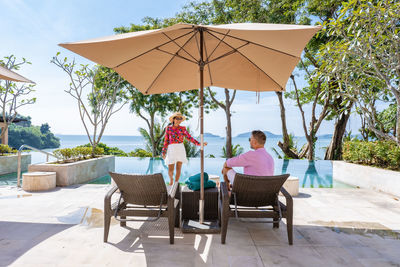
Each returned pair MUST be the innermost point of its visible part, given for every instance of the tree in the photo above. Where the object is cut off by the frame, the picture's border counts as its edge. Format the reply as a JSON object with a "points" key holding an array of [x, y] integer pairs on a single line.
{"points": [[99, 93], [364, 53], [13, 96], [44, 128], [154, 144]]}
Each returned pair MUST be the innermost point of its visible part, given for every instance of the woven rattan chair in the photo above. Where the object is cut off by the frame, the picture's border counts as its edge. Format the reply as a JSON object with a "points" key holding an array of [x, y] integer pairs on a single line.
{"points": [[256, 197], [141, 196]]}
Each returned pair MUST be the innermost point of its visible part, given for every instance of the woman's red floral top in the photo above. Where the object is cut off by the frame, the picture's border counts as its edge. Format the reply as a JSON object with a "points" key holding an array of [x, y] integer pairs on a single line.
{"points": [[174, 135]]}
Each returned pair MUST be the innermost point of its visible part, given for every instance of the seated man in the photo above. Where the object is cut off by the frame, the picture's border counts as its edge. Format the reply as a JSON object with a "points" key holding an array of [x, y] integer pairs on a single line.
{"points": [[258, 162]]}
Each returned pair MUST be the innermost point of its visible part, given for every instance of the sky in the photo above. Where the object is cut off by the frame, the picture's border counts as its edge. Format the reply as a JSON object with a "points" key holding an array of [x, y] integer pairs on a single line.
{"points": [[32, 29]]}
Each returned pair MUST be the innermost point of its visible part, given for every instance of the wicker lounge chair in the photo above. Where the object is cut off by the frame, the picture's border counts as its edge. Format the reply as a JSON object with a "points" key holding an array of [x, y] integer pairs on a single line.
{"points": [[256, 197], [141, 196]]}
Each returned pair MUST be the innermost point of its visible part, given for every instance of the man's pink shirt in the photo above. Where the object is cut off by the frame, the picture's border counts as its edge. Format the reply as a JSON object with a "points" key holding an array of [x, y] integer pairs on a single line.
{"points": [[257, 162]]}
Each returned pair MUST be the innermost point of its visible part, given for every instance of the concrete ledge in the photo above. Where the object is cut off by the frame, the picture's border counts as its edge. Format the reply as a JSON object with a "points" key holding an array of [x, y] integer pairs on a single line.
{"points": [[292, 186], [9, 164], [38, 181], [367, 177], [77, 172]]}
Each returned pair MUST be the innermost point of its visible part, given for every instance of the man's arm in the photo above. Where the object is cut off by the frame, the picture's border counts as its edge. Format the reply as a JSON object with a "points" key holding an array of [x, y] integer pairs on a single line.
{"points": [[238, 161]]}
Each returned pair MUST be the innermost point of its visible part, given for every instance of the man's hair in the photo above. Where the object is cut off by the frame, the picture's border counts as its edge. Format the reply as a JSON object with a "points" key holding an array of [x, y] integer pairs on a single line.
{"points": [[259, 136]]}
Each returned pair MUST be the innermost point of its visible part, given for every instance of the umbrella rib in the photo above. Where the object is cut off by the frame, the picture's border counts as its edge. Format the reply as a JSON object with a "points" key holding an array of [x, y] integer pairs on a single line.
{"points": [[182, 57], [209, 69], [255, 65], [119, 65], [266, 47], [181, 47], [158, 75], [220, 41], [227, 54]]}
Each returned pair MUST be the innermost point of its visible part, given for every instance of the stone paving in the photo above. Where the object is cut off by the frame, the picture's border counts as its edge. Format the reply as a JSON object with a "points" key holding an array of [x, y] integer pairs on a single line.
{"points": [[64, 227]]}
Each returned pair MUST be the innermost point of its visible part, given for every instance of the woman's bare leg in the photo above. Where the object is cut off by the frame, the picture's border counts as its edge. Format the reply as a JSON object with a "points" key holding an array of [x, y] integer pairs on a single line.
{"points": [[171, 173], [178, 171]]}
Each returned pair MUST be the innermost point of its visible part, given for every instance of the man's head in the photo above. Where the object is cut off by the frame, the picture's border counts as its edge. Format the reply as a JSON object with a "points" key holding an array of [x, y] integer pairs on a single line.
{"points": [[257, 139]]}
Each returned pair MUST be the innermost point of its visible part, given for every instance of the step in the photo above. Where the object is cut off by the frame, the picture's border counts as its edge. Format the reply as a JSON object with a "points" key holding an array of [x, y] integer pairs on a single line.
{"points": [[38, 181]]}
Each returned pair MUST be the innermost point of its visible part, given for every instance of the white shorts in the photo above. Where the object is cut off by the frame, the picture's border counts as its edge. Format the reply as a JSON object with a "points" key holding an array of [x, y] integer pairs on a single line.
{"points": [[231, 175], [175, 153]]}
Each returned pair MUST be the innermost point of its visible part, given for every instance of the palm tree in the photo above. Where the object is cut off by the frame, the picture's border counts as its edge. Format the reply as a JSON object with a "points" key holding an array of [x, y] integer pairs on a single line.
{"points": [[292, 145], [236, 151], [159, 130], [191, 150]]}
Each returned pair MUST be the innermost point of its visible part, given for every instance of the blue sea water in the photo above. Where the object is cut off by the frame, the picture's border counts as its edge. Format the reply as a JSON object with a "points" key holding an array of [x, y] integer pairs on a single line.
{"points": [[214, 147]]}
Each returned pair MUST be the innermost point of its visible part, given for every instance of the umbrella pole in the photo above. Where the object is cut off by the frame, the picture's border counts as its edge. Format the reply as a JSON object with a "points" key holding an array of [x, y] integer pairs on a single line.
{"points": [[201, 66]]}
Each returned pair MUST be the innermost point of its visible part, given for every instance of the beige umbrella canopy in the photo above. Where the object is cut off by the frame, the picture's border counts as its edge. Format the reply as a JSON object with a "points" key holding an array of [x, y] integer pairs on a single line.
{"points": [[6, 74], [246, 56]]}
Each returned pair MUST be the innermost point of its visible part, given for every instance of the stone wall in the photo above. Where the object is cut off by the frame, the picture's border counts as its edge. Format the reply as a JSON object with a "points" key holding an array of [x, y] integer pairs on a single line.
{"points": [[9, 164], [77, 172], [367, 177]]}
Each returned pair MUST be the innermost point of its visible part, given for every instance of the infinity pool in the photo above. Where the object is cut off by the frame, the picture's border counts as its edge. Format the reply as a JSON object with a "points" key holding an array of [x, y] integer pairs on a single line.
{"points": [[314, 174]]}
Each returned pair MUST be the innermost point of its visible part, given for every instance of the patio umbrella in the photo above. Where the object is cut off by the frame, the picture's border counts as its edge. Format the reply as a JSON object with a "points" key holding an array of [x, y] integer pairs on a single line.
{"points": [[6, 74], [245, 56]]}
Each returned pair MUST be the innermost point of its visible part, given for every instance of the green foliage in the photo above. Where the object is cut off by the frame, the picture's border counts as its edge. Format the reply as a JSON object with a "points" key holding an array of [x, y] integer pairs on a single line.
{"points": [[33, 136], [158, 135], [192, 150], [141, 153], [107, 150], [383, 154], [236, 151], [77, 153], [292, 145], [362, 58], [5, 149]]}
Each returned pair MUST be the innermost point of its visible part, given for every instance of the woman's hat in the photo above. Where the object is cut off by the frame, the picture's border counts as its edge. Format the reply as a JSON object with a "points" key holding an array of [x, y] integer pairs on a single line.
{"points": [[176, 114]]}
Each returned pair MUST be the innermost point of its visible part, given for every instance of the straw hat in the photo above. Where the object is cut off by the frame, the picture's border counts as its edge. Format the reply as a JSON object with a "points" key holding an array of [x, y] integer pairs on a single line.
{"points": [[176, 114]]}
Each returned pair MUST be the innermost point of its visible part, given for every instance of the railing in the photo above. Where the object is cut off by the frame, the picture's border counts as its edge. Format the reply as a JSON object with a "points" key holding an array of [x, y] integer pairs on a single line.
{"points": [[19, 159]]}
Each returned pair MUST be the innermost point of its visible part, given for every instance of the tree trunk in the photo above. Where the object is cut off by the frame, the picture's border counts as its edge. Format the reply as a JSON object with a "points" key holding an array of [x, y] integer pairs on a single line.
{"points": [[285, 145], [311, 143], [153, 143], [228, 125], [397, 132], [334, 150]]}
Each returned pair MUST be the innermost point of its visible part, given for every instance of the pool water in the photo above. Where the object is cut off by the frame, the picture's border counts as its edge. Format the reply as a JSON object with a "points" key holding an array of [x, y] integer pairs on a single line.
{"points": [[311, 174]]}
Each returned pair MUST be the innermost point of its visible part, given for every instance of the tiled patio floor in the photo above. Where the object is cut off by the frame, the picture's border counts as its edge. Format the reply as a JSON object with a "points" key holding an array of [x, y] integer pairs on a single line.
{"points": [[333, 227]]}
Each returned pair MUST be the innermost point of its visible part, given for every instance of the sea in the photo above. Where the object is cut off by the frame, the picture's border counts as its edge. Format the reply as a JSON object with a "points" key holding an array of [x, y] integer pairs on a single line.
{"points": [[214, 147]]}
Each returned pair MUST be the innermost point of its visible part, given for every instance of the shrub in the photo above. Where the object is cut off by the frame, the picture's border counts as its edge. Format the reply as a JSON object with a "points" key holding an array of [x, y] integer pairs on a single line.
{"points": [[141, 153], [76, 153], [384, 154], [107, 150], [5, 149]]}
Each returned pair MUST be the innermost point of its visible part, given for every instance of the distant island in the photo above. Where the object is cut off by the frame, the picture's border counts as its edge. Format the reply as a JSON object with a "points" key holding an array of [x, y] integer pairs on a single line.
{"points": [[208, 135], [267, 133]]}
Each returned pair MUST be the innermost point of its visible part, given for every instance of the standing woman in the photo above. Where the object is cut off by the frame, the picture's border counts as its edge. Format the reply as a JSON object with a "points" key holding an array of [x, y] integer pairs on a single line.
{"points": [[174, 152]]}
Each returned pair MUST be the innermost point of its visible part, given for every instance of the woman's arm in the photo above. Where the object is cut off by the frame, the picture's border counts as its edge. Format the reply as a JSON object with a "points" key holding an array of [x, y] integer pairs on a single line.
{"points": [[166, 142], [189, 137]]}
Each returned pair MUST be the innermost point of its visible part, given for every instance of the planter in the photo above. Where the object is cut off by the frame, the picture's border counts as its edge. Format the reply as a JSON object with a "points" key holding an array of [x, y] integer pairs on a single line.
{"points": [[367, 177], [9, 164], [77, 172]]}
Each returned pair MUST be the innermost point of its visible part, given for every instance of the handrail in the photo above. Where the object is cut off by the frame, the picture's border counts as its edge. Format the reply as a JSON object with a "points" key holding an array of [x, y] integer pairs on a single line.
{"points": [[19, 159]]}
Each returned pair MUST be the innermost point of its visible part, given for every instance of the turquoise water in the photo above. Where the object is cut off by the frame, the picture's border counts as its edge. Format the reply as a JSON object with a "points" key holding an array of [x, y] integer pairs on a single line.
{"points": [[314, 174], [311, 174]]}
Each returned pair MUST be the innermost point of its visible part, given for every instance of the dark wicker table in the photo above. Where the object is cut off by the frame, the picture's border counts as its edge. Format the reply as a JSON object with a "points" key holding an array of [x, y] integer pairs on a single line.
{"points": [[190, 204]]}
